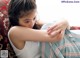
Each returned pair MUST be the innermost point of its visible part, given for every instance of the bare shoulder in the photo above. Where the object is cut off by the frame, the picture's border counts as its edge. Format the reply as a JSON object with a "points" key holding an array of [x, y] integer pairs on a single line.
{"points": [[15, 37], [14, 31], [20, 33]]}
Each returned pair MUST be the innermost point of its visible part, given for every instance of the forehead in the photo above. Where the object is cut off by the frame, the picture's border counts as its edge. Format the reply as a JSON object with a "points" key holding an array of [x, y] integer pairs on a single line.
{"points": [[29, 16], [28, 13]]}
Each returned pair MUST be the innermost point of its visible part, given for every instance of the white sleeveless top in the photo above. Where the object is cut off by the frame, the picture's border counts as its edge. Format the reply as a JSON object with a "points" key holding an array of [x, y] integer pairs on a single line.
{"points": [[30, 50]]}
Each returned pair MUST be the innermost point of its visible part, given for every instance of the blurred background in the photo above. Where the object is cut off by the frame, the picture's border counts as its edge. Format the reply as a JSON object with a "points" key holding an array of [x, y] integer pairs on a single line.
{"points": [[51, 10]]}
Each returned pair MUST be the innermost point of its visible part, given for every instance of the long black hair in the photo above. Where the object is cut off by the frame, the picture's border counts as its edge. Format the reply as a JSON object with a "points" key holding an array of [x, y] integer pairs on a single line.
{"points": [[17, 7]]}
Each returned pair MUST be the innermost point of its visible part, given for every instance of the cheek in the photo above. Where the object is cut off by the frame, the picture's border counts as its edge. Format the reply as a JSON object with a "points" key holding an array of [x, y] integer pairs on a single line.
{"points": [[21, 23], [31, 24]]}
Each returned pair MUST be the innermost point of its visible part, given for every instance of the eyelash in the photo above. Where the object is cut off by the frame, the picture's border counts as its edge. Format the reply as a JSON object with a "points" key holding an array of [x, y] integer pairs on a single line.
{"points": [[29, 21]]}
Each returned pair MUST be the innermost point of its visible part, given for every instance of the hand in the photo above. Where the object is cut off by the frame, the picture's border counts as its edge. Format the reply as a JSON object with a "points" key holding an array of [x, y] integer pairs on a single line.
{"points": [[56, 32], [59, 36], [58, 25]]}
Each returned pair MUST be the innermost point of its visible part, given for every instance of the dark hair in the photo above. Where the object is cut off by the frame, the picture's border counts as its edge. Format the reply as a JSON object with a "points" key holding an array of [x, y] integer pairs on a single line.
{"points": [[18, 8]]}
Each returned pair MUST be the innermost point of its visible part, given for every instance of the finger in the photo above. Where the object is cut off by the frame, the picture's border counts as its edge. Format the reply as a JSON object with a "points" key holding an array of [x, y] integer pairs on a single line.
{"points": [[60, 37], [55, 32], [62, 33], [58, 27], [51, 27], [48, 29], [55, 28], [57, 37]]}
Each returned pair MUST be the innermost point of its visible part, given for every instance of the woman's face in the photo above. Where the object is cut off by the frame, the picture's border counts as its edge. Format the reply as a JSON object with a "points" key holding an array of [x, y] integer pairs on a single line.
{"points": [[28, 20]]}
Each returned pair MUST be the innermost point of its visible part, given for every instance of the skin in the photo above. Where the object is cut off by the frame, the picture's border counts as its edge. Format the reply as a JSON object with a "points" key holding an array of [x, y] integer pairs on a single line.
{"points": [[20, 34], [62, 24]]}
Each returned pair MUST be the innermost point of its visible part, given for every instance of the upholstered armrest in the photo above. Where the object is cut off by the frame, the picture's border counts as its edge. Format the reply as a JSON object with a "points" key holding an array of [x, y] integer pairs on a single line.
{"points": [[75, 27]]}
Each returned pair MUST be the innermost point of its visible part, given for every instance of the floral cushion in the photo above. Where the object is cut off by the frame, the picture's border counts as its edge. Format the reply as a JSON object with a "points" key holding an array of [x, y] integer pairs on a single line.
{"points": [[4, 42]]}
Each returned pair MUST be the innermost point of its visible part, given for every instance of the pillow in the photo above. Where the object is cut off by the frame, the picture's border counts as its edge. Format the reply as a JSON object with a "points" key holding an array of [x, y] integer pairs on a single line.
{"points": [[4, 42]]}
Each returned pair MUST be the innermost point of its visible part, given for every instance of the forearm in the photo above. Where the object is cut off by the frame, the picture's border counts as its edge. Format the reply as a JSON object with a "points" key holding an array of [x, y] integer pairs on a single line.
{"points": [[27, 34]]}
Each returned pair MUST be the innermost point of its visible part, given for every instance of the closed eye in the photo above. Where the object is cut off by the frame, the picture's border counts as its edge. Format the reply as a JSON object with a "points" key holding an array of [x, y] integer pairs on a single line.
{"points": [[27, 21]]}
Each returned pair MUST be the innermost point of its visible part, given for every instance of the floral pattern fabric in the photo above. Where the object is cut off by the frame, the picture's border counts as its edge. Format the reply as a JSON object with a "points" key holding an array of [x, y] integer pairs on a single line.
{"points": [[4, 42]]}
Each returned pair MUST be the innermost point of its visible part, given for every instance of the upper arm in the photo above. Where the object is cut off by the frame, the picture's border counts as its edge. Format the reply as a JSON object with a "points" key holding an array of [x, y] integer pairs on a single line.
{"points": [[27, 34]]}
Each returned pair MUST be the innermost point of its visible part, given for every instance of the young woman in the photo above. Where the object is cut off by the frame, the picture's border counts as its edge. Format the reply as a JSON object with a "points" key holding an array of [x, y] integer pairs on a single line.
{"points": [[24, 34]]}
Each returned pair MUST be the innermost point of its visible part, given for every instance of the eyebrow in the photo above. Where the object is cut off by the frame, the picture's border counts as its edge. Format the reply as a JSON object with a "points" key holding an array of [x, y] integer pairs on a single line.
{"points": [[31, 19], [27, 19]]}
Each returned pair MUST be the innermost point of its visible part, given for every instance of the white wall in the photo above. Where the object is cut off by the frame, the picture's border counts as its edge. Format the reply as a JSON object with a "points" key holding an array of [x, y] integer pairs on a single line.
{"points": [[50, 10]]}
